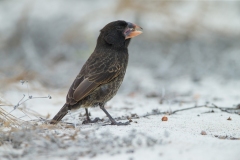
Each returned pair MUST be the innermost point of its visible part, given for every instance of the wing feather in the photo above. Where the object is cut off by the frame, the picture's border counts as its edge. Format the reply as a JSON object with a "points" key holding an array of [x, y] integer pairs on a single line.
{"points": [[96, 71], [83, 89]]}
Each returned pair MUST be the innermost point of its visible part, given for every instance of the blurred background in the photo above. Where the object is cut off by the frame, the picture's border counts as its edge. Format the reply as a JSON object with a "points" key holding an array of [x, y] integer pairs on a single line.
{"points": [[47, 42]]}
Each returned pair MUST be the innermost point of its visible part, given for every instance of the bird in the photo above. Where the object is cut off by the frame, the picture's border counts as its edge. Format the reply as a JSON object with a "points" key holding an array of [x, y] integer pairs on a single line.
{"points": [[102, 74]]}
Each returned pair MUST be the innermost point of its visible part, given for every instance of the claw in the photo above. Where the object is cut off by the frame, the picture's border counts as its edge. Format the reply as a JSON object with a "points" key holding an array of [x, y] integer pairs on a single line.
{"points": [[91, 121]]}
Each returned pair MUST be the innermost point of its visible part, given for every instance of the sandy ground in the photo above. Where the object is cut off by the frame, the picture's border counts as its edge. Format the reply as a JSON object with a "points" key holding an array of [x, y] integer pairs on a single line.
{"points": [[200, 133], [46, 40]]}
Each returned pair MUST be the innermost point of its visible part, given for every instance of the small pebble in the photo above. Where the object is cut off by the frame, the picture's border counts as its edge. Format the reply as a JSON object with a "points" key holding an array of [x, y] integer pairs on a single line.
{"points": [[203, 133], [164, 118]]}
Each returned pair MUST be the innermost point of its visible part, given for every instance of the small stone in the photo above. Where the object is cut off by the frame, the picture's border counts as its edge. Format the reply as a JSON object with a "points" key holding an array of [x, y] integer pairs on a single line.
{"points": [[203, 133], [164, 118], [229, 118], [129, 119]]}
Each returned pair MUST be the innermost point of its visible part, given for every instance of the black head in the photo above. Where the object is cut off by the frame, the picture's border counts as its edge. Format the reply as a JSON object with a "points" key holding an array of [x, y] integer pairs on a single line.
{"points": [[119, 33]]}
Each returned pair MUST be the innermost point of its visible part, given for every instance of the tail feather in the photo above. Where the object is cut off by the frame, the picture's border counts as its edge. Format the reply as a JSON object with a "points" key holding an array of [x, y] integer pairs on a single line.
{"points": [[63, 111]]}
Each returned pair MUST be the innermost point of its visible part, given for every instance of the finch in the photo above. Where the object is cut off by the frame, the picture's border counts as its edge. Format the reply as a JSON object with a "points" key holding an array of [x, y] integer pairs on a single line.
{"points": [[102, 74]]}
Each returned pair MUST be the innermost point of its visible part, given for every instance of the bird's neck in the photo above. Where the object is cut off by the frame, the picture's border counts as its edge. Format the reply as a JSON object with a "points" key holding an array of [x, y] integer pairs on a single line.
{"points": [[102, 43]]}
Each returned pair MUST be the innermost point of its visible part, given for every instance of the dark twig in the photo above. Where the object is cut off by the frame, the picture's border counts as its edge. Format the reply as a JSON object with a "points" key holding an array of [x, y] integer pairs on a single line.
{"points": [[179, 110], [22, 101], [157, 112], [228, 110], [15, 107]]}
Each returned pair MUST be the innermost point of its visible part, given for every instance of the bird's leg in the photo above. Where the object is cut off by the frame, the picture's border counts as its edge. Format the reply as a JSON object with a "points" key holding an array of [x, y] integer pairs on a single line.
{"points": [[88, 120], [110, 117], [87, 114]]}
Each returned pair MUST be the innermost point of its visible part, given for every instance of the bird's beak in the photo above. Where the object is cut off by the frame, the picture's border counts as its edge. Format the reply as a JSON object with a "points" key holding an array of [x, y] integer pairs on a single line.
{"points": [[132, 30]]}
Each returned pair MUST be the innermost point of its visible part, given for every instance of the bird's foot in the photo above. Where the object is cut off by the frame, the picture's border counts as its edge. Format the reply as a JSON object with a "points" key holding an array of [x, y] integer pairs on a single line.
{"points": [[91, 121], [120, 123]]}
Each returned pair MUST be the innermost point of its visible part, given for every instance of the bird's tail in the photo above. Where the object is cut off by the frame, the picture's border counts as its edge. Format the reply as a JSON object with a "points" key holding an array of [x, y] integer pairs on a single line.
{"points": [[63, 111]]}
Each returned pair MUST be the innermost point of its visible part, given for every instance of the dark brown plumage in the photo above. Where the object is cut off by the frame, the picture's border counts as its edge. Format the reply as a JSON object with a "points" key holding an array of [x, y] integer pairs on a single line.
{"points": [[103, 72]]}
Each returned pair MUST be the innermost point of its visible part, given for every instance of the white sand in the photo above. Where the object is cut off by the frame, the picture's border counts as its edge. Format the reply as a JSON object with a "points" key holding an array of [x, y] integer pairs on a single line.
{"points": [[178, 138]]}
